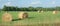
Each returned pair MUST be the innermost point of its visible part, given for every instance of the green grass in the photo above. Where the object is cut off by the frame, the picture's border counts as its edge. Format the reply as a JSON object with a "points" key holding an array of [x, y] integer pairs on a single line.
{"points": [[34, 18]]}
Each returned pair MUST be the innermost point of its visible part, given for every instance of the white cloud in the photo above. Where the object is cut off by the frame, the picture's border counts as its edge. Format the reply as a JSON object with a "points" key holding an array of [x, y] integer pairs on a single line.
{"points": [[53, 2], [34, 3], [37, 2], [8, 4]]}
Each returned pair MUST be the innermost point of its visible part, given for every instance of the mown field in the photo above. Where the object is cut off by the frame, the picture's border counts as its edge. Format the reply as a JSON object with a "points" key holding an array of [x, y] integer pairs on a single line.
{"points": [[35, 19]]}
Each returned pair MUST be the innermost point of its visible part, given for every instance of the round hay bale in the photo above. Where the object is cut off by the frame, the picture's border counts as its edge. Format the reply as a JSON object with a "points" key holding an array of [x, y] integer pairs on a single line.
{"points": [[39, 11], [23, 15], [6, 17], [54, 12]]}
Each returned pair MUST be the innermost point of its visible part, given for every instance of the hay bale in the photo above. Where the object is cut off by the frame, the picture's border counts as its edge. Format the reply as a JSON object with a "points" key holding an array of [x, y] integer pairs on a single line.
{"points": [[22, 15], [39, 11], [6, 17], [54, 12]]}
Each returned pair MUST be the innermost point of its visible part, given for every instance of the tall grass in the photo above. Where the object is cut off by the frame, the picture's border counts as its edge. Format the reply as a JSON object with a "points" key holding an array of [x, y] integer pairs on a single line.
{"points": [[34, 18]]}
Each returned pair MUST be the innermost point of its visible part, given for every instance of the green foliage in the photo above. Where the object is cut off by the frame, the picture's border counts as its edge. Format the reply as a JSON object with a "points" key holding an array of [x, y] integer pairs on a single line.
{"points": [[12, 8], [35, 18]]}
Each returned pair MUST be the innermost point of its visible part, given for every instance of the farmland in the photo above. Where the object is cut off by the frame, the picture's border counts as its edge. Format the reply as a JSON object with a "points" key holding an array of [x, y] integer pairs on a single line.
{"points": [[35, 18]]}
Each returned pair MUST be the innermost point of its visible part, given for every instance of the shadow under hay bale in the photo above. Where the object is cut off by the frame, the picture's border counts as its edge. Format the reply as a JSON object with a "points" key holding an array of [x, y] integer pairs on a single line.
{"points": [[22, 15], [15, 19], [21, 19]]}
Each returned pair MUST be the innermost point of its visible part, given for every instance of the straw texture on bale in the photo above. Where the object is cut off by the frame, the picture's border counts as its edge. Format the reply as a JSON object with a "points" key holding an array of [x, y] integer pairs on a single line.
{"points": [[6, 17], [54, 12], [22, 15]]}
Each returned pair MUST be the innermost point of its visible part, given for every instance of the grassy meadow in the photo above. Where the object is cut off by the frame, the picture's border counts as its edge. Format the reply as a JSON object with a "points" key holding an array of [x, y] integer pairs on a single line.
{"points": [[34, 19]]}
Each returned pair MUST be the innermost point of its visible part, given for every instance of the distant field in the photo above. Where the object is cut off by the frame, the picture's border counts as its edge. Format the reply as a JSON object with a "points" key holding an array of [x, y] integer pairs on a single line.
{"points": [[34, 18]]}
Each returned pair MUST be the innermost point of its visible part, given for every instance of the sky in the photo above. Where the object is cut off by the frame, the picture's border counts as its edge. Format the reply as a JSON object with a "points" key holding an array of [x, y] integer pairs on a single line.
{"points": [[27, 3]]}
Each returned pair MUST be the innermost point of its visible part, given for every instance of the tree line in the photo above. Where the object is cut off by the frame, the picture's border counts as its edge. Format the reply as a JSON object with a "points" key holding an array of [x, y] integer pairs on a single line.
{"points": [[12, 8]]}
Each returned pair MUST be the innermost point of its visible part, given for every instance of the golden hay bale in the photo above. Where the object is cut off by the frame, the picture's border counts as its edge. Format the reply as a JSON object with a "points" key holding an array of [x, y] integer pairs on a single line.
{"points": [[6, 17], [54, 12], [22, 15], [39, 11]]}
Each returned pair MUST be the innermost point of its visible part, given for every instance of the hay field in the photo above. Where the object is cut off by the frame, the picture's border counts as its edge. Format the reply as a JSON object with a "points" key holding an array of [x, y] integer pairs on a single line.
{"points": [[35, 19]]}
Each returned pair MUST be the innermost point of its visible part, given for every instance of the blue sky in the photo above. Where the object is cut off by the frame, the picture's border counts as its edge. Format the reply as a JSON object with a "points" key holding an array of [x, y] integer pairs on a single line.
{"points": [[27, 3]]}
